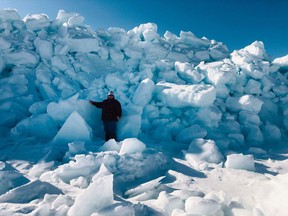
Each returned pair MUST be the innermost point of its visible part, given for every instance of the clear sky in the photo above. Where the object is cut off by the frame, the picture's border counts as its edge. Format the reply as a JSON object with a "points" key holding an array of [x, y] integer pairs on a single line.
{"points": [[235, 23]]}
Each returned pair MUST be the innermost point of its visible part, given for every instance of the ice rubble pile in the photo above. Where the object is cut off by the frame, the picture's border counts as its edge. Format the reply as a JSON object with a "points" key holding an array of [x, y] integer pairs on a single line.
{"points": [[184, 89], [172, 87]]}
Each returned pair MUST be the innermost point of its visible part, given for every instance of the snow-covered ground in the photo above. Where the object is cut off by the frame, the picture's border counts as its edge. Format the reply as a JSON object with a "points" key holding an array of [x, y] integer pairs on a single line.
{"points": [[203, 132]]}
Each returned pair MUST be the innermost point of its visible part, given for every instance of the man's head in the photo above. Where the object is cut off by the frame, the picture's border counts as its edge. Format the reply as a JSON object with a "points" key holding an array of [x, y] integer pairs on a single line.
{"points": [[110, 95]]}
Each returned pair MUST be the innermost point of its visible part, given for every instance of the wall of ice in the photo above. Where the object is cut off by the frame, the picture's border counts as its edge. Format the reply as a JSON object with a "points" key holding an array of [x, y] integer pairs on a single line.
{"points": [[171, 87]]}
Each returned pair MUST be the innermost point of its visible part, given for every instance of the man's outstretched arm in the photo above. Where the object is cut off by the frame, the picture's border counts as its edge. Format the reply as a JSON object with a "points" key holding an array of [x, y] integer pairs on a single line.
{"points": [[97, 104]]}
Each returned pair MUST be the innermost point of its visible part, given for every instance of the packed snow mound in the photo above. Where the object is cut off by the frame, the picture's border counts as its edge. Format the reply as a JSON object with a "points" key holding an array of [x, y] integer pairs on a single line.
{"points": [[177, 88]]}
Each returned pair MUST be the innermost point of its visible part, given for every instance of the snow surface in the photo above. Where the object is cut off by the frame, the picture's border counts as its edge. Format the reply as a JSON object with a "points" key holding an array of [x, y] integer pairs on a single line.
{"points": [[203, 131]]}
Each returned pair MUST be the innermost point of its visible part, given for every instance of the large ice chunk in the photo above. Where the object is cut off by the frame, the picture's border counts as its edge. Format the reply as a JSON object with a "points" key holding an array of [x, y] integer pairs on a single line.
{"points": [[253, 87], [144, 92], [47, 91], [118, 37], [147, 30], [110, 145], [76, 20], [281, 62], [193, 41], [209, 116], [59, 63], [44, 48], [36, 22], [43, 75], [129, 126], [247, 118], [97, 196], [217, 76], [60, 111], [4, 44], [202, 55], [21, 58], [256, 49], [188, 134], [245, 102], [11, 113], [84, 45], [186, 95], [280, 90], [115, 80], [75, 128], [9, 14], [71, 19], [38, 125], [134, 52], [272, 133], [254, 135], [240, 161], [188, 73], [116, 55], [177, 56], [132, 145], [17, 79], [218, 51]]}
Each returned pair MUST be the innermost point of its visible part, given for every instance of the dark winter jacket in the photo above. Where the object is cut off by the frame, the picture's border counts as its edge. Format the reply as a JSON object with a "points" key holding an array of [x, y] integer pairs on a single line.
{"points": [[111, 109]]}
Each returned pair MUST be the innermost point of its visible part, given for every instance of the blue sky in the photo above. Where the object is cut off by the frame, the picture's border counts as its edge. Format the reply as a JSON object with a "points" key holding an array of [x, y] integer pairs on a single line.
{"points": [[235, 23]]}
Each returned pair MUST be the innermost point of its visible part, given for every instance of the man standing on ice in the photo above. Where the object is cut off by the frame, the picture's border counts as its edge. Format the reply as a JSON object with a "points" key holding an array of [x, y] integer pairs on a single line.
{"points": [[111, 113]]}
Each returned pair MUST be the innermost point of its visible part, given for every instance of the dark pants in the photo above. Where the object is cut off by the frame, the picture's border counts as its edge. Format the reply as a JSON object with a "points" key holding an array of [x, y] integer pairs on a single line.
{"points": [[110, 129]]}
